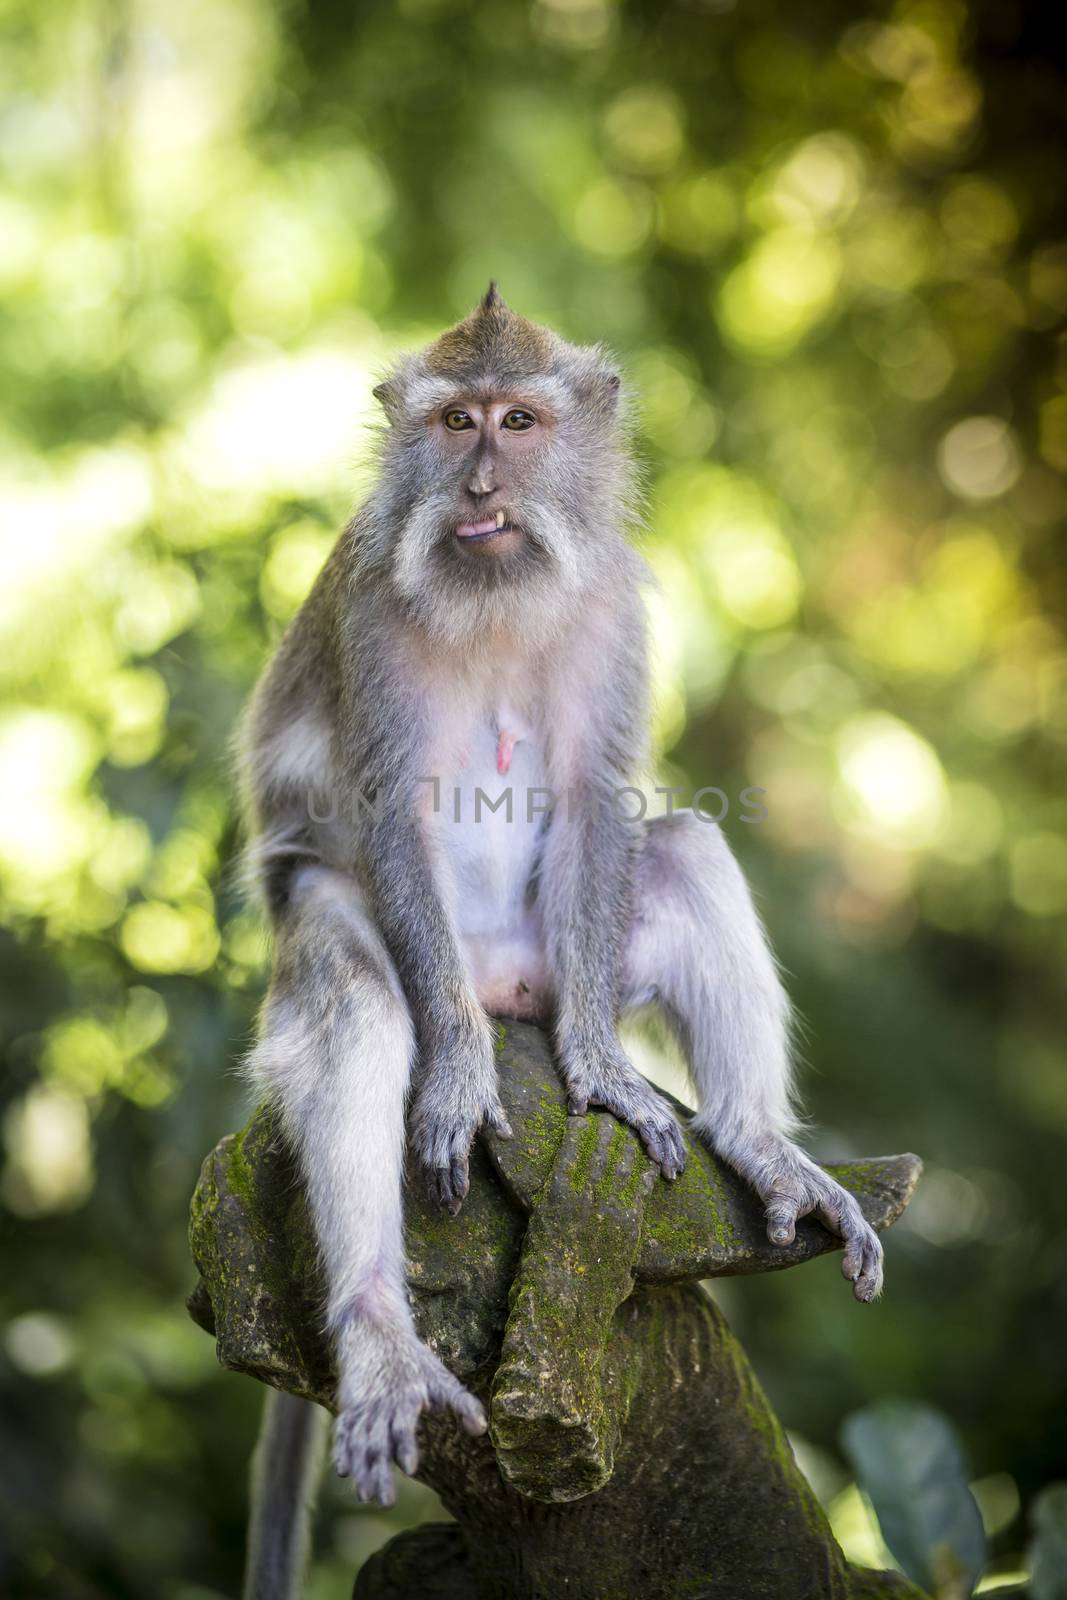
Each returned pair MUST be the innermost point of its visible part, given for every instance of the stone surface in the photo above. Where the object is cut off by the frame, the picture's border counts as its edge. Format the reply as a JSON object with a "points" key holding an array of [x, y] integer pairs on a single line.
{"points": [[706, 1224], [631, 1451]]}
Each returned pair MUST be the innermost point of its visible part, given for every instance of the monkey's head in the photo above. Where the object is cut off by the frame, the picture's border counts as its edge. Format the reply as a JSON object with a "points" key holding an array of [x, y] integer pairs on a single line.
{"points": [[505, 479]]}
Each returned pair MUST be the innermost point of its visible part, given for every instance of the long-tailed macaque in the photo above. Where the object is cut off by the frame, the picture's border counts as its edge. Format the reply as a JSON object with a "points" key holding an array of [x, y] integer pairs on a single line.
{"points": [[480, 621]]}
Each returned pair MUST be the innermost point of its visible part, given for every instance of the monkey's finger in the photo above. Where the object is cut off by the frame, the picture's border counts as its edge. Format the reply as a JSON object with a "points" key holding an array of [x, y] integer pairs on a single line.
{"points": [[577, 1105], [665, 1147], [674, 1153], [656, 1150], [498, 1121], [347, 1441], [459, 1181], [781, 1220], [448, 1186], [832, 1215]]}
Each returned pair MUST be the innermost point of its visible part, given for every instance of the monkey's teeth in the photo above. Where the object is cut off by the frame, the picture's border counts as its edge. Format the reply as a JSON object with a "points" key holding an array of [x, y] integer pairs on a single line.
{"points": [[484, 529]]}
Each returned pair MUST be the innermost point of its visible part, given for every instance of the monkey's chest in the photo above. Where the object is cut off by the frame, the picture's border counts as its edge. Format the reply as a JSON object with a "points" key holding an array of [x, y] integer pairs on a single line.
{"points": [[493, 808]]}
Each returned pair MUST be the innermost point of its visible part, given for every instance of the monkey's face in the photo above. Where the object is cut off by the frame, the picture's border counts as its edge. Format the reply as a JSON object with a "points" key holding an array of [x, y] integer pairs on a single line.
{"points": [[504, 478], [493, 444], [491, 528]]}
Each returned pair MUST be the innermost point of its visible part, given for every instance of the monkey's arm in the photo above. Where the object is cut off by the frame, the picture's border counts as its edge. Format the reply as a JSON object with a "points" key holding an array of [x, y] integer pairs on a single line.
{"points": [[456, 1085]]}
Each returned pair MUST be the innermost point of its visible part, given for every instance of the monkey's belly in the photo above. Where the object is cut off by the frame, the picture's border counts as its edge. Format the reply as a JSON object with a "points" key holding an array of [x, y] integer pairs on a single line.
{"points": [[510, 976], [489, 828]]}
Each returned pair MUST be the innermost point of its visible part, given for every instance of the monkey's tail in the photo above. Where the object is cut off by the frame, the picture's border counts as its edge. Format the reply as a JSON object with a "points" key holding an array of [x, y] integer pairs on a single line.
{"points": [[285, 1476]]}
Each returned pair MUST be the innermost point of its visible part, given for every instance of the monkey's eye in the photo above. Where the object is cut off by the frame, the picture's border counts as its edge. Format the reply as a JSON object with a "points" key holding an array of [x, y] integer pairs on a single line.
{"points": [[458, 421], [517, 420]]}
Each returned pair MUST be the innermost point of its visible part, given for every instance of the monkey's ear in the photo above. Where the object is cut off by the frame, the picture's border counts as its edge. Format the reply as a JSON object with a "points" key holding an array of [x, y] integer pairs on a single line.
{"points": [[603, 387], [387, 395]]}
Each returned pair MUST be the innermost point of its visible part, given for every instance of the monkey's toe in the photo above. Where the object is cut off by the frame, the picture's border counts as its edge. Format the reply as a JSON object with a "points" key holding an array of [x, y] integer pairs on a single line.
{"points": [[862, 1264], [363, 1451]]}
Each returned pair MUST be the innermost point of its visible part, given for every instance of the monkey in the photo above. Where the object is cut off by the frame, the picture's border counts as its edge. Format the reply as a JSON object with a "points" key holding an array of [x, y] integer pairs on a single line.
{"points": [[480, 618]]}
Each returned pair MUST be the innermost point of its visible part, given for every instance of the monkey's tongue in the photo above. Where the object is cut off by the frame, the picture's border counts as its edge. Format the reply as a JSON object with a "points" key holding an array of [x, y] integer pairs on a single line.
{"points": [[472, 530]]}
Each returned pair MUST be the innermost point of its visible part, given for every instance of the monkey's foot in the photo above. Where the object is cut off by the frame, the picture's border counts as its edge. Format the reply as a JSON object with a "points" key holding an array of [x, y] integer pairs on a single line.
{"points": [[621, 1089], [378, 1425], [792, 1186]]}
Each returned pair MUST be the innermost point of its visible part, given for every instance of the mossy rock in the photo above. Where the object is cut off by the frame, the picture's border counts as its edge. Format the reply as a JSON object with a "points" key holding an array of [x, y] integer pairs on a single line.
{"points": [[631, 1451], [708, 1223]]}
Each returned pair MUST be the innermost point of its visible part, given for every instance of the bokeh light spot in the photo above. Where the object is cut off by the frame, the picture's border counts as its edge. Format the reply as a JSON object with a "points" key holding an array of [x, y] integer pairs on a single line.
{"points": [[39, 1343], [979, 458], [613, 219], [1039, 874], [784, 287], [295, 560], [49, 1158], [643, 129], [159, 938], [891, 778]]}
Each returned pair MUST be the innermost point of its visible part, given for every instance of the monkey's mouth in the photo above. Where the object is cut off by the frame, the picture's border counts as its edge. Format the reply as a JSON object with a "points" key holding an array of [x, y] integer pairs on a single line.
{"points": [[487, 529]]}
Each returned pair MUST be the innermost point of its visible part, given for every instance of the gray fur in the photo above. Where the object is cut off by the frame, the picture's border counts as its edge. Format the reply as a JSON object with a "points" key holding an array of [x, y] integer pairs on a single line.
{"points": [[285, 1472], [412, 654]]}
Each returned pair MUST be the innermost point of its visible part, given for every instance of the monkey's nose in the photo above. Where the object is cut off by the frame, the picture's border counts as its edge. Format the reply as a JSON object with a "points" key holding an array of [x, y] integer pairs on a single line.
{"points": [[481, 481]]}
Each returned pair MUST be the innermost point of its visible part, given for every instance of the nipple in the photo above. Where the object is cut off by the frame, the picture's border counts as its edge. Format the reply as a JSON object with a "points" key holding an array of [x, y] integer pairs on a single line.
{"points": [[505, 748]]}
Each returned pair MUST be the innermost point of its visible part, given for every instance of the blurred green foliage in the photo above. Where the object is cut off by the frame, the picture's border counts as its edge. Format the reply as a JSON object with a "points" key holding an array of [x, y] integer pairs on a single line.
{"points": [[829, 245], [908, 1461]]}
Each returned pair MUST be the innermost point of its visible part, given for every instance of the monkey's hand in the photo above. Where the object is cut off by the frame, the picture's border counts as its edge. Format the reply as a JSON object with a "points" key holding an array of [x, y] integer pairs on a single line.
{"points": [[616, 1084], [457, 1096], [389, 1380], [792, 1186]]}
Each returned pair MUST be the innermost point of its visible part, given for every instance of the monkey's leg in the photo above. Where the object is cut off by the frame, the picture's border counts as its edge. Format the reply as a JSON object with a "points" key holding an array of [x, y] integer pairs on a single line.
{"points": [[697, 947], [335, 1049]]}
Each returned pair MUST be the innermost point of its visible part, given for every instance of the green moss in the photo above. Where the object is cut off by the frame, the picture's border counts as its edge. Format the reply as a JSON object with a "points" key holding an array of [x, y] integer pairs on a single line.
{"points": [[619, 1139], [685, 1215], [631, 1188], [857, 1176], [588, 1138], [239, 1173], [550, 1120]]}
